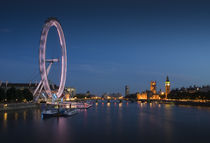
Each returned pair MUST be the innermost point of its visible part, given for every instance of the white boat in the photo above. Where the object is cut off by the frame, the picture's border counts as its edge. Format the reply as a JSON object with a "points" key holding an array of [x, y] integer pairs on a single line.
{"points": [[85, 106], [71, 112], [49, 113], [57, 113], [73, 105]]}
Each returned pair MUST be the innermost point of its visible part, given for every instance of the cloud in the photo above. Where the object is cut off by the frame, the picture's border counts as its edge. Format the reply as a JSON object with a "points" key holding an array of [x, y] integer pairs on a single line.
{"points": [[87, 67], [96, 69], [75, 47], [5, 30]]}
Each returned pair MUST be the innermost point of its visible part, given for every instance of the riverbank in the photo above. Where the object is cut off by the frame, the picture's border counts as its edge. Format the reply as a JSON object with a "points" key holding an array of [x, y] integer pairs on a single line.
{"points": [[17, 106], [190, 103]]}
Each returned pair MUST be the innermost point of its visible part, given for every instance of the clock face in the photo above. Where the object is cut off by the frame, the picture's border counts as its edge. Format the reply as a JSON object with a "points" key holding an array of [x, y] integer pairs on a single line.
{"points": [[167, 83]]}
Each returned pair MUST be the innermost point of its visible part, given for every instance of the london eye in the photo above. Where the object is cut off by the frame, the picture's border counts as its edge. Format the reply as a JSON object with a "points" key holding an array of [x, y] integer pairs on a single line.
{"points": [[45, 63]]}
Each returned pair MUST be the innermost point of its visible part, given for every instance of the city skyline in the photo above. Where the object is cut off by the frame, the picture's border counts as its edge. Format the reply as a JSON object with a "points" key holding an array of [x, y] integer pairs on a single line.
{"points": [[111, 45]]}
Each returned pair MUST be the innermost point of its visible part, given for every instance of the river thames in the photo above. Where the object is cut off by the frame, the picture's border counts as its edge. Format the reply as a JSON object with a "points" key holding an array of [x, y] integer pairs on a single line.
{"points": [[110, 123]]}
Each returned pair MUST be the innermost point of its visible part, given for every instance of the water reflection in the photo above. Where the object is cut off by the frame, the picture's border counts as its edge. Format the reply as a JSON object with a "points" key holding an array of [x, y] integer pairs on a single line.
{"points": [[34, 114], [108, 118], [120, 120], [127, 104], [155, 122], [16, 116], [37, 115], [150, 105], [115, 104], [24, 115], [85, 116], [168, 128], [168, 106], [62, 131], [5, 120], [159, 105], [5, 116]]}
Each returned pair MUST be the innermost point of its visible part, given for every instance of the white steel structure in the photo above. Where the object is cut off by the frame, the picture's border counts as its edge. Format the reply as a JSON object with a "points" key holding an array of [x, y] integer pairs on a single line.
{"points": [[42, 60]]}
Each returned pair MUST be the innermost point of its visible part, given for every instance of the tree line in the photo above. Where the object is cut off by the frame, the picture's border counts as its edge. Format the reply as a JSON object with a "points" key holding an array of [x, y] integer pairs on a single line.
{"points": [[176, 94], [15, 95]]}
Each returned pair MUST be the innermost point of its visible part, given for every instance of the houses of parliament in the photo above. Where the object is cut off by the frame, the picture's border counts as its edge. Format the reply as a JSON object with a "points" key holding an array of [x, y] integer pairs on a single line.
{"points": [[152, 93]]}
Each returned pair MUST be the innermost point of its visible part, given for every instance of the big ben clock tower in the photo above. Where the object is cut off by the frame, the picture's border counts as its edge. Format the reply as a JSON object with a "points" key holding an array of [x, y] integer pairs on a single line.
{"points": [[167, 86]]}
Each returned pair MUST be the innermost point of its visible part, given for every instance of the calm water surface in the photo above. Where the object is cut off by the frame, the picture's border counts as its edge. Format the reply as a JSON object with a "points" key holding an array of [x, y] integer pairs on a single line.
{"points": [[111, 123]]}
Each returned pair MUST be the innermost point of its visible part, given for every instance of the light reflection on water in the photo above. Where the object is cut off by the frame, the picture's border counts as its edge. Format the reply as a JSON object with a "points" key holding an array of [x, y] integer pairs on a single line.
{"points": [[114, 121], [21, 115], [120, 105], [62, 131], [108, 104], [5, 116], [16, 115], [24, 115]]}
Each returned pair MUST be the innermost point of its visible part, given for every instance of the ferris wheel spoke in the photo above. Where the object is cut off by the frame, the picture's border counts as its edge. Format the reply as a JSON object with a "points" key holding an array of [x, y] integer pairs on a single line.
{"points": [[52, 60]]}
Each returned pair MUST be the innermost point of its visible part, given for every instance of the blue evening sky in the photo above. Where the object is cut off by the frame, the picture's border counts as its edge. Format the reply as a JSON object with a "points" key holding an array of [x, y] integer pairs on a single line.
{"points": [[110, 43]]}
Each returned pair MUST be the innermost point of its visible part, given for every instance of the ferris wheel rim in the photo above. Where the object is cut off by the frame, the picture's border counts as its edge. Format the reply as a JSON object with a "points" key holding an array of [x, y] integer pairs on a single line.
{"points": [[42, 57]]}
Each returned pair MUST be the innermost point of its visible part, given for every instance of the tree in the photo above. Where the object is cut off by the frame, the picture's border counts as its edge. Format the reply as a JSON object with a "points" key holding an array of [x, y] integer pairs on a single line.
{"points": [[80, 96], [11, 94], [19, 95], [27, 95], [2, 94]]}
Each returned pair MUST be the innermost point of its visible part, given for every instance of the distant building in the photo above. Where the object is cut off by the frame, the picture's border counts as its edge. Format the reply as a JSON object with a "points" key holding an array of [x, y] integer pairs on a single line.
{"points": [[71, 91], [161, 92], [204, 89], [21, 86], [134, 96], [147, 95], [194, 89], [95, 97], [112, 96], [142, 95], [167, 86], [153, 87], [126, 90]]}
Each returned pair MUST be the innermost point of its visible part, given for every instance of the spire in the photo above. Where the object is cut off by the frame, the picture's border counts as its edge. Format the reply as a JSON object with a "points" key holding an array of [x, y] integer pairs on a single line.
{"points": [[167, 79]]}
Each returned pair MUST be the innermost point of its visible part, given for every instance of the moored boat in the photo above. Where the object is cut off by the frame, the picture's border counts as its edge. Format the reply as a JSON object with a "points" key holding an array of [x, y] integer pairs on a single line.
{"points": [[49, 113], [68, 113], [59, 113], [84, 106]]}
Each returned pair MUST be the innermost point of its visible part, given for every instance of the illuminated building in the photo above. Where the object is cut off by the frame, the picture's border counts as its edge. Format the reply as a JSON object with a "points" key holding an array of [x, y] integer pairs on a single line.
{"points": [[95, 97], [142, 95], [112, 96], [126, 90], [67, 97], [71, 91], [155, 96], [151, 94], [167, 86], [147, 96], [161, 92], [153, 87]]}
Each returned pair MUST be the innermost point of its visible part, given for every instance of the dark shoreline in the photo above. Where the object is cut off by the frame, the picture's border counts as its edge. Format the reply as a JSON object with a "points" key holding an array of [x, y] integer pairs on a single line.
{"points": [[190, 103], [17, 106], [176, 102]]}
